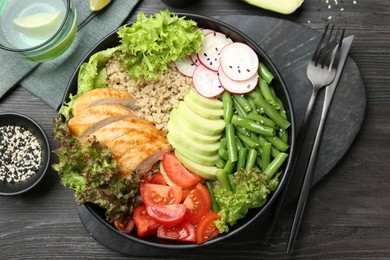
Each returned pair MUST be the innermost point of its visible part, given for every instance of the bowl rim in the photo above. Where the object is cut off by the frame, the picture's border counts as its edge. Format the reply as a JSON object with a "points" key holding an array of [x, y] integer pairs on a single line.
{"points": [[45, 141], [292, 132]]}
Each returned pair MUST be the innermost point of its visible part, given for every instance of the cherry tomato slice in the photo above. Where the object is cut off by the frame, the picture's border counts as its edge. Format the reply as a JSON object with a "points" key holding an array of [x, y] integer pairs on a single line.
{"points": [[183, 231], [177, 172], [124, 227], [198, 203], [145, 225], [206, 229], [157, 194], [157, 179], [168, 215]]}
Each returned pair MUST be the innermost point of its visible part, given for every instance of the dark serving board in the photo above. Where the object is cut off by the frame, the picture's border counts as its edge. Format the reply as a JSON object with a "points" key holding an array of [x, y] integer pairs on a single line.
{"points": [[290, 46]]}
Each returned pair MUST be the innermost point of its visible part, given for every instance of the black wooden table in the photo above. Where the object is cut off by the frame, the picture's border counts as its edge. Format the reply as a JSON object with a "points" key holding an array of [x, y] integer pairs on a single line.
{"points": [[348, 212]]}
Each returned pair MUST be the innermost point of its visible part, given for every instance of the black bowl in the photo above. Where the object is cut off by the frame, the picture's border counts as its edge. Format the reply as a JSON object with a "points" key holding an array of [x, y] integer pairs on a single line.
{"points": [[93, 216], [15, 119]]}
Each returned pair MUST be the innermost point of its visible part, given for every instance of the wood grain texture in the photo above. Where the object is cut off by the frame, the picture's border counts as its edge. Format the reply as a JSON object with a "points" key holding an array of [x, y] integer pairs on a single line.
{"points": [[348, 212]]}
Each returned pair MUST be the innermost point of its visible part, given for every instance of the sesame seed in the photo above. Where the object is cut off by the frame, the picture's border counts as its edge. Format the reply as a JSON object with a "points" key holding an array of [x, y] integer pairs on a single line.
{"points": [[20, 154]]}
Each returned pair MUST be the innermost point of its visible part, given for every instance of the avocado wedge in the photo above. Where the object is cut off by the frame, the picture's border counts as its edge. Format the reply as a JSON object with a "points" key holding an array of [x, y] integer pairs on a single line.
{"points": [[279, 6]]}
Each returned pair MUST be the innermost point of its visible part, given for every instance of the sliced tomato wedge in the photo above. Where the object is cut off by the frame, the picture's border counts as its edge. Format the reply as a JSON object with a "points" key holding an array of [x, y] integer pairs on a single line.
{"points": [[157, 179], [177, 172], [198, 203], [206, 229], [183, 231], [168, 215], [145, 225], [124, 227], [157, 194]]}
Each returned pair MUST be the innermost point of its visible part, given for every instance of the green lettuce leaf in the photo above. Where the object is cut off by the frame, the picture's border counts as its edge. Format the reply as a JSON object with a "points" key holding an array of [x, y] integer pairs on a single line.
{"points": [[92, 172], [251, 191], [151, 43]]}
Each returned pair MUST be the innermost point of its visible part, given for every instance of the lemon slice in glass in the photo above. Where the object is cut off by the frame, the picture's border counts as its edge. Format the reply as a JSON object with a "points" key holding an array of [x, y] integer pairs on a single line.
{"points": [[40, 25], [97, 5]]}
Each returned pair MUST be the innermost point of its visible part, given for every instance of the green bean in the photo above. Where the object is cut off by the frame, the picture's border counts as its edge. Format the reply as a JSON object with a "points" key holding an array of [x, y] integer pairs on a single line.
{"points": [[231, 182], [210, 188], [253, 126], [261, 119], [277, 142], [248, 141], [240, 111], [231, 142], [272, 113], [227, 106], [251, 159], [244, 103], [242, 131], [239, 143], [265, 73], [283, 134], [266, 92], [274, 151], [282, 110], [253, 105], [254, 93], [222, 177], [265, 155], [230, 167], [242, 158], [220, 163], [222, 150], [275, 164]]}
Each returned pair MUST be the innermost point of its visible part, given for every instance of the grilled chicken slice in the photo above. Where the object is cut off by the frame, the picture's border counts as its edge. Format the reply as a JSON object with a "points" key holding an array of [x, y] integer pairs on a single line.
{"points": [[102, 96], [138, 148], [120, 128], [93, 118], [140, 155]]}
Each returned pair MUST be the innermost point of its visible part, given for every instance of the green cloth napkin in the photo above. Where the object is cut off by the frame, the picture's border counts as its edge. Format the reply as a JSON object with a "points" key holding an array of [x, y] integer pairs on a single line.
{"points": [[48, 80]]}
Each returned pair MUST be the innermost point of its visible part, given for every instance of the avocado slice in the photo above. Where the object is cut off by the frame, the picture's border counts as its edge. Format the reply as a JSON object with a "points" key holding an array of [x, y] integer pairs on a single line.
{"points": [[279, 6], [209, 113], [211, 103], [187, 142], [207, 172], [199, 123], [200, 159], [181, 125]]}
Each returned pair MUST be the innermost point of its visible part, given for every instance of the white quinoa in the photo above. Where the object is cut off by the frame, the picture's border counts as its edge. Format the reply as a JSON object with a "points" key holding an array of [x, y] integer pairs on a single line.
{"points": [[155, 98]]}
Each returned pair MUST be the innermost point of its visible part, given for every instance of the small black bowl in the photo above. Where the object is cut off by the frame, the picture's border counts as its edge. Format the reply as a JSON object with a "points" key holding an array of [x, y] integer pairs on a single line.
{"points": [[15, 119]]}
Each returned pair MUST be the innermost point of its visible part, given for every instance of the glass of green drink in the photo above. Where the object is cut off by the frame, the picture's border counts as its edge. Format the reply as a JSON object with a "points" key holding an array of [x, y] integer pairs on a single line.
{"points": [[37, 30]]}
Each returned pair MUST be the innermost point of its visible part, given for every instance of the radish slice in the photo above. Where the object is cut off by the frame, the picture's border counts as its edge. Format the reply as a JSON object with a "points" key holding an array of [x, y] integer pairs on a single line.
{"points": [[207, 31], [213, 43], [237, 87], [185, 66], [206, 82], [239, 61], [194, 59]]}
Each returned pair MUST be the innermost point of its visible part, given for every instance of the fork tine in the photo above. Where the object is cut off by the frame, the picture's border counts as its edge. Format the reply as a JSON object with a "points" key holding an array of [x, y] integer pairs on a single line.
{"points": [[320, 45], [326, 52], [338, 51], [329, 54]]}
